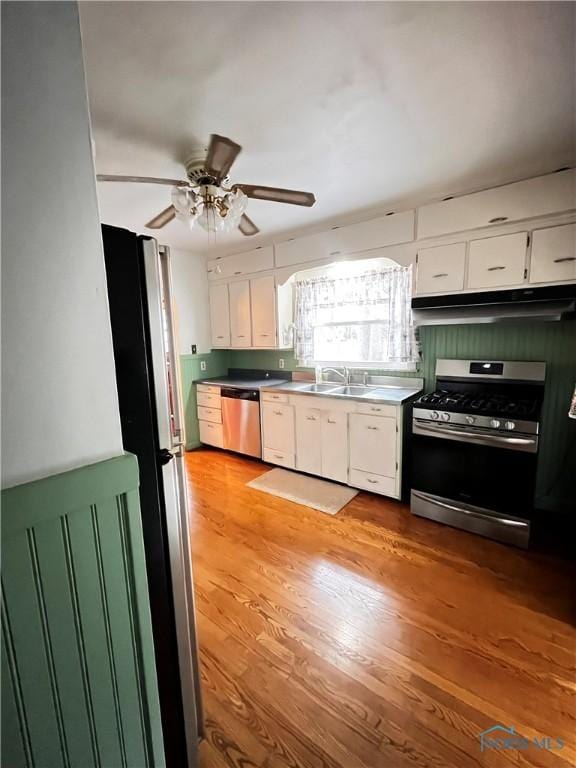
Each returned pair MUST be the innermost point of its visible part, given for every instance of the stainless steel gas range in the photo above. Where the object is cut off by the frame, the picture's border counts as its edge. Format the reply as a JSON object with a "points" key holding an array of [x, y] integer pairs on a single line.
{"points": [[475, 447]]}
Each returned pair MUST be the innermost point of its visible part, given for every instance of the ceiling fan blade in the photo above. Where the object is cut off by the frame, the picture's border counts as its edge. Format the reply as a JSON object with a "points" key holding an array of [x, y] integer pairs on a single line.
{"points": [[143, 180], [162, 219], [277, 195], [247, 226], [221, 154]]}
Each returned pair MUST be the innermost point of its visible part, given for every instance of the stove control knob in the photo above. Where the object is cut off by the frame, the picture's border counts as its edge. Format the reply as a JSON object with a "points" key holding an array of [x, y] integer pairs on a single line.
{"points": [[445, 416], [495, 423], [434, 415], [470, 419], [509, 425]]}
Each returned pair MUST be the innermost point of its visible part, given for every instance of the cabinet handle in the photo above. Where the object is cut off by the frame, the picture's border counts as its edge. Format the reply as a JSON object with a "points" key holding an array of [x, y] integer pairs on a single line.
{"points": [[497, 219], [238, 273], [374, 482], [565, 258], [240, 336], [265, 334], [331, 421], [440, 274], [369, 427], [278, 413], [278, 456], [494, 269], [311, 418], [376, 410]]}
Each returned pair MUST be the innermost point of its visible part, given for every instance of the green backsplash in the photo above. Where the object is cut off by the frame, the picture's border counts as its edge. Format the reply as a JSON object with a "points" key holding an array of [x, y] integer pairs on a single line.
{"points": [[554, 343], [216, 365]]}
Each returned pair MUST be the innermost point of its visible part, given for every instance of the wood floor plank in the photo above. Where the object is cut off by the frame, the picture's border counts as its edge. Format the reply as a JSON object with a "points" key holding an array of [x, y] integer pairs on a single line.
{"points": [[371, 639]]}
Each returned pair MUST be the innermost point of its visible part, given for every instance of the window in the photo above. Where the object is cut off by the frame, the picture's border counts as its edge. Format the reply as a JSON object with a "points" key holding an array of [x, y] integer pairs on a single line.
{"points": [[357, 313]]}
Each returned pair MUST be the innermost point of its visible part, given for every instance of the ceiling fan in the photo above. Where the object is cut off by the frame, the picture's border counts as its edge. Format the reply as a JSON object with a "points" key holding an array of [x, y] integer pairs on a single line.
{"points": [[207, 196]]}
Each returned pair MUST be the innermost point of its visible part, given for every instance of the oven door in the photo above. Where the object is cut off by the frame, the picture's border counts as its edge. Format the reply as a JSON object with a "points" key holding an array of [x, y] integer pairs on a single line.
{"points": [[484, 482]]}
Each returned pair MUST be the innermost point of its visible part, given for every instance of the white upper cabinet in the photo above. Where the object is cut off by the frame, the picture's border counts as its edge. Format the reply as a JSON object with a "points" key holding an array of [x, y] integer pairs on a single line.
{"points": [[354, 238], [263, 303], [220, 316], [553, 254], [541, 196], [441, 269], [240, 316], [495, 262], [239, 264]]}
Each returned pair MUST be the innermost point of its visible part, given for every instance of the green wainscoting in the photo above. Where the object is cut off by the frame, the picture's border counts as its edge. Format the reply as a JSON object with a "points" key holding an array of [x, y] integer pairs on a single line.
{"points": [[78, 675], [216, 365], [553, 343]]}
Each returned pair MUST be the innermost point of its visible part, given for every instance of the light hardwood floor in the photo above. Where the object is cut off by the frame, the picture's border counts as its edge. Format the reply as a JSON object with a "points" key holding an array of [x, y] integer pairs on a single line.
{"points": [[371, 639]]}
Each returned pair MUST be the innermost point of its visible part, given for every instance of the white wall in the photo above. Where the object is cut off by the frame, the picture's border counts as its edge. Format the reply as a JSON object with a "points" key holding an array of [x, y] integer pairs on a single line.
{"points": [[190, 283], [60, 407]]}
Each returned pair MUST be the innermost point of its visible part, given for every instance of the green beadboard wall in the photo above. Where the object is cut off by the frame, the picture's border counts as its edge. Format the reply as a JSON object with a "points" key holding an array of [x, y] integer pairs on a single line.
{"points": [[78, 673], [553, 343]]}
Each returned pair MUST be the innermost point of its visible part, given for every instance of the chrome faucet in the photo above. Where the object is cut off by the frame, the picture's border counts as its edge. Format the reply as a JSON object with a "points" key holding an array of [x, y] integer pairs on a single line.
{"points": [[344, 373]]}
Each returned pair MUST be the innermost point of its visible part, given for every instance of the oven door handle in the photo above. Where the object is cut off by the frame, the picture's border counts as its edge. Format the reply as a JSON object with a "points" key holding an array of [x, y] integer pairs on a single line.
{"points": [[471, 512], [420, 427]]}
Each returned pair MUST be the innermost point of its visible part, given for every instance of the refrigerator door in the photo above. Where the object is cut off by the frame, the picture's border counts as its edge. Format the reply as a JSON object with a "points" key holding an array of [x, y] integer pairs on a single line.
{"points": [[170, 433]]}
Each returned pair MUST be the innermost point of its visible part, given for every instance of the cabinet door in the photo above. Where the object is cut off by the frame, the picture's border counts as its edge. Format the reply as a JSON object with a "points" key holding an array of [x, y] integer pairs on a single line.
{"points": [[441, 269], [240, 322], [335, 446], [496, 262], [278, 427], [263, 302], [373, 444], [553, 254], [541, 196], [220, 316], [308, 440], [241, 263]]}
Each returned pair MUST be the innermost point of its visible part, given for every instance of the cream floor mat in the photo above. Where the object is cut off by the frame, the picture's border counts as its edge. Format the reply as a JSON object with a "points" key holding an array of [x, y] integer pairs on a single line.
{"points": [[322, 495]]}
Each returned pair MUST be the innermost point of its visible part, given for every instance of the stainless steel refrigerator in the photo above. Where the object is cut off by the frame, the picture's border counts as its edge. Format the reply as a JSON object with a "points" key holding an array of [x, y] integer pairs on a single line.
{"points": [[140, 299]]}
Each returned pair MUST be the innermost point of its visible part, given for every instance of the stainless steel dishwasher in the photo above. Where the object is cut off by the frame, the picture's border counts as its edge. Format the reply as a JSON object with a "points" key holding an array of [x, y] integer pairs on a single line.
{"points": [[241, 420]]}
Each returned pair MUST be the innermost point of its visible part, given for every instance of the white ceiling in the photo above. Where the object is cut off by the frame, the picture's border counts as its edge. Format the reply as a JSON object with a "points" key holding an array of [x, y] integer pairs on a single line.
{"points": [[365, 104]]}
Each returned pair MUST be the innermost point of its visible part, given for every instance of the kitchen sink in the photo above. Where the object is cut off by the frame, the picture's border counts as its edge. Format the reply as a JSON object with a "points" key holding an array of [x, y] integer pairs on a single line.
{"points": [[352, 391], [320, 388]]}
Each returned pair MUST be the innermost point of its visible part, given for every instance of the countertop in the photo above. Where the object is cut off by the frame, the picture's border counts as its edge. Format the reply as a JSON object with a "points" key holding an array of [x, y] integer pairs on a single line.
{"points": [[237, 383], [381, 393]]}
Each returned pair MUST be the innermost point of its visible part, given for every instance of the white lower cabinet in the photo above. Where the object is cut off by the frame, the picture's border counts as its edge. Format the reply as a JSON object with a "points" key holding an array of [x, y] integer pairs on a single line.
{"points": [[309, 440], [373, 444], [334, 446], [348, 442], [278, 433], [211, 434]]}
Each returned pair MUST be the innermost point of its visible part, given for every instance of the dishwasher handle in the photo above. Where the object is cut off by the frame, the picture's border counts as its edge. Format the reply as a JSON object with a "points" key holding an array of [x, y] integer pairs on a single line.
{"points": [[240, 394]]}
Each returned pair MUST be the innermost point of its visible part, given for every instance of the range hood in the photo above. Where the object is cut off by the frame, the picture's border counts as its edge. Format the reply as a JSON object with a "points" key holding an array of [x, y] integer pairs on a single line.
{"points": [[555, 302]]}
